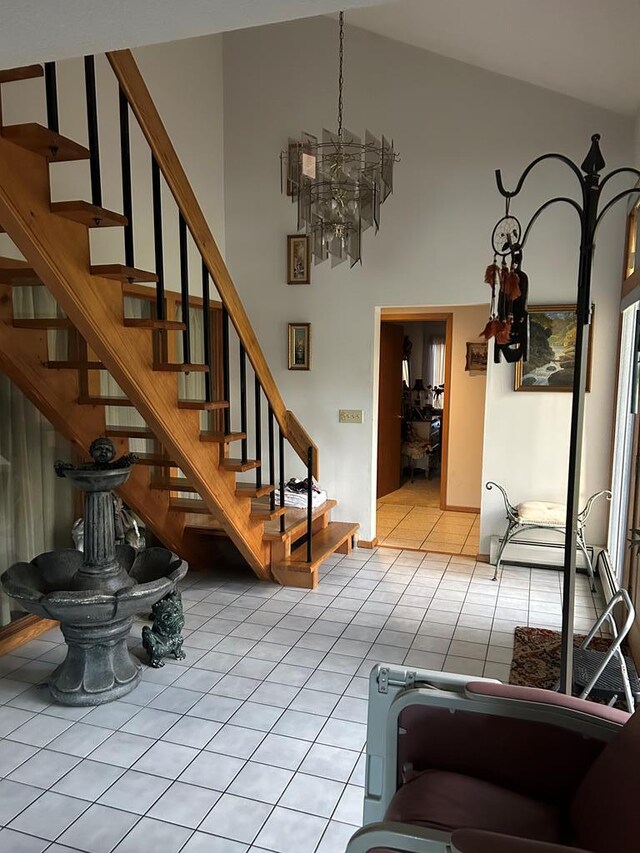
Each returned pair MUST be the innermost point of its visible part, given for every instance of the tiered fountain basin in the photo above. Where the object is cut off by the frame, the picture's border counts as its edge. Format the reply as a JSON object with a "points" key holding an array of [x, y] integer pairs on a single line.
{"points": [[96, 595]]}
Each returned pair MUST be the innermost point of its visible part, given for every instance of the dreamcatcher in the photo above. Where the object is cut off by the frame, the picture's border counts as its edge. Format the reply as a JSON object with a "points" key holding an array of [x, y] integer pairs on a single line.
{"points": [[508, 318]]}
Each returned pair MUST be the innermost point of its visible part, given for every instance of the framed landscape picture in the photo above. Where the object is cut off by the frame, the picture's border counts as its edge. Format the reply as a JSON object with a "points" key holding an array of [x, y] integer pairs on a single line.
{"points": [[298, 259], [476, 356], [552, 343], [299, 346]]}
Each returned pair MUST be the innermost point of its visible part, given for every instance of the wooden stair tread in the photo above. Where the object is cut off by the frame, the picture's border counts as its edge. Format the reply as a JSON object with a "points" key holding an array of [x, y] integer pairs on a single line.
{"points": [[160, 325], [17, 273], [89, 400], [159, 459], [173, 484], [295, 522], [42, 323], [230, 463], [130, 432], [261, 511], [203, 405], [88, 214], [250, 490], [189, 505], [222, 437], [204, 524], [120, 272], [22, 72], [47, 143], [323, 543], [75, 365], [174, 367]]}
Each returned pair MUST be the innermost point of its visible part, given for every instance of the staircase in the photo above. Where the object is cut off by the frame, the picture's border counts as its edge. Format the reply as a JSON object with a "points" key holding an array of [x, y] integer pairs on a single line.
{"points": [[196, 478]]}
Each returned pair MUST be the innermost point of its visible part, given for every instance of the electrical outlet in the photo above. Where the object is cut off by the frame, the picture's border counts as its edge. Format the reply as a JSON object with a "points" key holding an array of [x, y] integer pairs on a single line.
{"points": [[350, 416]]}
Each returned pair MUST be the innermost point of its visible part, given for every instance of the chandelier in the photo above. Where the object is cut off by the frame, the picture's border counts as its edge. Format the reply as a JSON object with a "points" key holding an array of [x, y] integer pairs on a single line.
{"points": [[338, 183]]}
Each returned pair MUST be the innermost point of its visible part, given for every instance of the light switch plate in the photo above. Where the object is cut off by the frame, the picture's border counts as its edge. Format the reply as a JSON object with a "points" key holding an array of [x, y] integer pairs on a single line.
{"points": [[350, 416]]}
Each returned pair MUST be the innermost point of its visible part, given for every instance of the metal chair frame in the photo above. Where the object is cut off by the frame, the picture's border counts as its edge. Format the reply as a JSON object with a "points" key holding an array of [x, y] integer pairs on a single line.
{"points": [[515, 526]]}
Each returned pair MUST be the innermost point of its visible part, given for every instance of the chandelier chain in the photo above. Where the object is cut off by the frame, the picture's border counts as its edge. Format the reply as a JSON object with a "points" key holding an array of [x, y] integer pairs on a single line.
{"points": [[340, 73]]}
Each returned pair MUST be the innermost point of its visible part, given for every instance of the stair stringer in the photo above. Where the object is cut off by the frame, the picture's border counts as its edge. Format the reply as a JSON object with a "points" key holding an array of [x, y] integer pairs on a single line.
{"points": [[55, 394], [58, 249]]}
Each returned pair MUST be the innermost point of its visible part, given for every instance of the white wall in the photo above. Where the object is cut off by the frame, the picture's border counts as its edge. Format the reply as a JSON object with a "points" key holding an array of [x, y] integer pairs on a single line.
{"points": [[453, 125], [185, 80]]}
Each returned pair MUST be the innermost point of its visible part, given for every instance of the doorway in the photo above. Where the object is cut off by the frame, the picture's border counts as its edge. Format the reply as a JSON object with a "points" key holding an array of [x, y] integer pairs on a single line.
{"points": [[423, 503]]}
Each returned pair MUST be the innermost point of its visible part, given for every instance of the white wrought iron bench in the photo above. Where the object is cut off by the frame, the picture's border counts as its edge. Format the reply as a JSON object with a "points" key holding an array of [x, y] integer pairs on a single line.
{"points": [[543, 515]]}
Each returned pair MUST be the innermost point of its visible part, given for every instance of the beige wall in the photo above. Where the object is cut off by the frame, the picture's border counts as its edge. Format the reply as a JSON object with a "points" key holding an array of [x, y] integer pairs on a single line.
{"points": [[466, 412]]}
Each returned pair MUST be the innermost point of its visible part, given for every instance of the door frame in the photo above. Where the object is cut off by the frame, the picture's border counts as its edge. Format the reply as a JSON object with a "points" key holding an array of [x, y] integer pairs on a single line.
{"points": [[403, 315]]}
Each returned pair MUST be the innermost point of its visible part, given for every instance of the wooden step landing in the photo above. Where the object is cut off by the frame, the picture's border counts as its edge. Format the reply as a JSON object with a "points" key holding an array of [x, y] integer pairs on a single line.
{"points": [[295, 523], [206, 524], [157, 325], [120, 272], [261, 511], [88, 214], [231, 464], [250, 490], [23, 72], [296, 571], [47, 143], [222, 437]]}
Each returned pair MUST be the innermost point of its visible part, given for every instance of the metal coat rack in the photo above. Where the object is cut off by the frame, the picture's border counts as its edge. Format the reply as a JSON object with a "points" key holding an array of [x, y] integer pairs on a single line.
{"points": [[591, 186]]}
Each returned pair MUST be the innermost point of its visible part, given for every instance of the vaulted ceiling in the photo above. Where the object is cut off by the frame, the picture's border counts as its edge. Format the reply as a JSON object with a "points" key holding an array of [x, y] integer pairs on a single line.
{"points": [[584, 48]]}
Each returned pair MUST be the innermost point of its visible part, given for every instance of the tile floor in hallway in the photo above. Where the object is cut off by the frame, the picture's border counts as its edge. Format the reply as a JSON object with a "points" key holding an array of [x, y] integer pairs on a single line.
{"points": [[411, 517], [254, 742]]}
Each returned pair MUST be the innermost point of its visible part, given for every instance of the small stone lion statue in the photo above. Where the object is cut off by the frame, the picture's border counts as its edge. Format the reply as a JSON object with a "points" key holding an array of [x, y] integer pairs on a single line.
{"points": [[164, 638]]}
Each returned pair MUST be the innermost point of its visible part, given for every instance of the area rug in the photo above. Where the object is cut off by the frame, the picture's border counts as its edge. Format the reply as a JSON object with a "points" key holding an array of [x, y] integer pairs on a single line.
{"points": [[536, 656]]}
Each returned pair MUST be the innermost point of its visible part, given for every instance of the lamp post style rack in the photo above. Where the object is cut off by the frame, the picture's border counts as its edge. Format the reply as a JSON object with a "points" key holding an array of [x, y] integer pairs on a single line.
{"points": [[587, 207]]}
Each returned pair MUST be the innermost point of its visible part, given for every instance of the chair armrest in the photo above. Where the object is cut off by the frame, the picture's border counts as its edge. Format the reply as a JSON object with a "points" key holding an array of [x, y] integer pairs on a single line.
{"points": [[390, 835], [480, 841], [545, 700]]}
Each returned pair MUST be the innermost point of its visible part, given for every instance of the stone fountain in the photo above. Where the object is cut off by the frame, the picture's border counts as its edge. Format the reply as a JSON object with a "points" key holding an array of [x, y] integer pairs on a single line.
{"points": [[95, 595]]}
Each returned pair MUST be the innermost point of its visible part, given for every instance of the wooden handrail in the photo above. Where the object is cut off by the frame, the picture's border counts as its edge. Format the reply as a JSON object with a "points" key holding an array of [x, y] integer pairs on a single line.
{"points": [[137, 94]]}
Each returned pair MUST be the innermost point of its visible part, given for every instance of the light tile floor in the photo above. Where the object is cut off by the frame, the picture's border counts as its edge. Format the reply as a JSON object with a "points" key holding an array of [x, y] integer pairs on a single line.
{"points": [[411, 517], [255, 741]]}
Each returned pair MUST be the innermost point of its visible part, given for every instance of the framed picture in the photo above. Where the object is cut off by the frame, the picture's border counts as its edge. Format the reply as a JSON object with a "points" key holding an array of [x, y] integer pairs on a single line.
{"points": [[299, 346], [477, 356], [552, 344], [298, 259]]}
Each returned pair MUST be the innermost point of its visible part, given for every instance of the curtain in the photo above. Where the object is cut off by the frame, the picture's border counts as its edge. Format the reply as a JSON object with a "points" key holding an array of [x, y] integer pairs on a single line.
{"points": [[434, 362], [36, 507]]}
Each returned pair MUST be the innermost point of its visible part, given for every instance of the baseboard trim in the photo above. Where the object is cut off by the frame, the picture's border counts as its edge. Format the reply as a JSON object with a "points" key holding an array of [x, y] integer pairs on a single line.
{"points": [[368, 543], [474, 509]]}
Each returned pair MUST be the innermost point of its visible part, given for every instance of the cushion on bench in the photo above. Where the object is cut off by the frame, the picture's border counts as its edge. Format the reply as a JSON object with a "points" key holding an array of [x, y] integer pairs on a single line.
{"points": [[542, 512]]}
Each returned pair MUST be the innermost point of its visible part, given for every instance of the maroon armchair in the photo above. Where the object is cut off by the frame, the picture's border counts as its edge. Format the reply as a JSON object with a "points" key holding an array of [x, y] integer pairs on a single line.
{"points": [[482, 767]]}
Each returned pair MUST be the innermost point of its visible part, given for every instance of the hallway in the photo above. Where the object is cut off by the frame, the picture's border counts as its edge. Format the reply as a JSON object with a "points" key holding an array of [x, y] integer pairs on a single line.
{"points": [[411, 517]]}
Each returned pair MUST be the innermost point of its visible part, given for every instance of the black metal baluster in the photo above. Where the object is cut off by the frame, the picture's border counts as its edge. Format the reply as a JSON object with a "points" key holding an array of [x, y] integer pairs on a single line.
{"points": [[309, 502], [272, 461], [157, 238], [127, 196], [51, 91], [243, 400], [92, 128], [281, 478], [225, 370], [184, 290], [258, 414], [206, 332]]}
